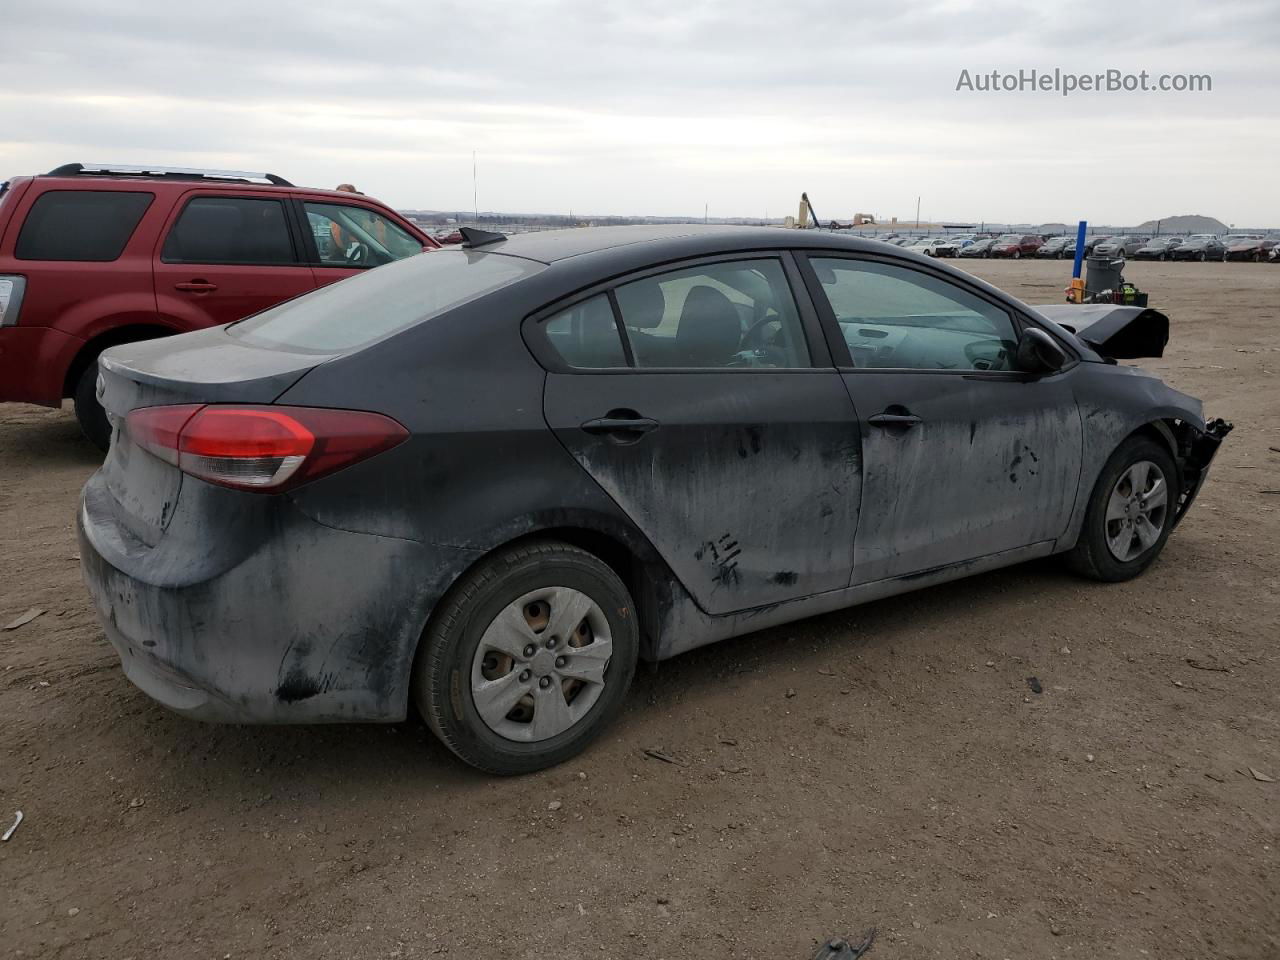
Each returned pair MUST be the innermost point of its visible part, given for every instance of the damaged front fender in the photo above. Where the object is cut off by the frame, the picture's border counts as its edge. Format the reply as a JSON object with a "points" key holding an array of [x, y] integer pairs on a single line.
{"points": [[1196, 450]]}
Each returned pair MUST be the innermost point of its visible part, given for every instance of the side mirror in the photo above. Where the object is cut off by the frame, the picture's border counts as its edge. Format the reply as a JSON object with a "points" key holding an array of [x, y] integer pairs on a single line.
{"points": [[1038, 352]]}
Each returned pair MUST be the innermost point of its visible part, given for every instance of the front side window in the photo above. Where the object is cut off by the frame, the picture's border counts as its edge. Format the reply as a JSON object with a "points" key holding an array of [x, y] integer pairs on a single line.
{"points": [[734, 314], [89, 226], [230, 230], [896, 318], [350, 236], [586, 335]]}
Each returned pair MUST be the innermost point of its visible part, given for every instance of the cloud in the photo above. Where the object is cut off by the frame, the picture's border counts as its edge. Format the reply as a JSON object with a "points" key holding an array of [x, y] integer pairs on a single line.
{"points": [[660, 107]]}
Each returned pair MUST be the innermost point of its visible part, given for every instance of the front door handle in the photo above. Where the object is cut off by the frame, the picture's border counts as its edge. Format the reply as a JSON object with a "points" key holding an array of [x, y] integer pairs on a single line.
{"points": [[621, 425], [894, 421], [196, 286]]}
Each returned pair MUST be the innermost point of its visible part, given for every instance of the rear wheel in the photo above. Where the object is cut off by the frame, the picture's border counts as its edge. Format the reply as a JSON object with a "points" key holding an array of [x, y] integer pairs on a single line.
{"points": [[528, 658], [93, 419], [1130, 513]]}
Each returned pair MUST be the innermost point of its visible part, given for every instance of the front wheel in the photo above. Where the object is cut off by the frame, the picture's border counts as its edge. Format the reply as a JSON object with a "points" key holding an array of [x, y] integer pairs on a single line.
{"points": [[1017, 254], [93, 419], [1130, 513], [527, 658]]}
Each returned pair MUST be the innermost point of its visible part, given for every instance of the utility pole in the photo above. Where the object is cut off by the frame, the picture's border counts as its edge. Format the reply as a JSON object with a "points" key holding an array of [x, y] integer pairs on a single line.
{"points": [[917, 213], [705, 208], [475, 192]]}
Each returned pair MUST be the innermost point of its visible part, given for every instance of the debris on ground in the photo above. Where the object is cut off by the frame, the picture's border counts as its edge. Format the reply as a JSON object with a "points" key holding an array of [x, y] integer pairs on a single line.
{"points": [[17, 819], [839, 948], [1260, 776], [1197, 665], [24, 619], [665, 757], [1034, 684], [791, 692], [554, 805]]}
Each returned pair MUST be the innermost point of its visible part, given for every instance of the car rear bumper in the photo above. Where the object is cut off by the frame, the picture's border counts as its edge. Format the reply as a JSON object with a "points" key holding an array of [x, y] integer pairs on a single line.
{"points": [[306, 624], [33, 364]]}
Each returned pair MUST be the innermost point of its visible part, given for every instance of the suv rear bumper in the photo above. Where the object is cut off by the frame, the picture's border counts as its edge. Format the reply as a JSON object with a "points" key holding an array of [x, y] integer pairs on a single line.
{"points": [[34, 363]]}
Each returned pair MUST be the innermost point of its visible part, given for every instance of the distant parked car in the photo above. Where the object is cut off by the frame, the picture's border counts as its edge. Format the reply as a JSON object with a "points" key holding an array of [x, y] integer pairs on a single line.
{"points": [[1090, 244], [979, 248], [1202, 247], [1014, 246], [1244, 247], [1120, 247], [1054, 247], [951, 246], [927, 246], [1161, 248], [95, 257]]}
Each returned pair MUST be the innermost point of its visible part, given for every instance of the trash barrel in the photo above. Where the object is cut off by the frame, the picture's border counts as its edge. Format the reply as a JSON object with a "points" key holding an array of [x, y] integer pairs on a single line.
{"points": [[1103, 273]]}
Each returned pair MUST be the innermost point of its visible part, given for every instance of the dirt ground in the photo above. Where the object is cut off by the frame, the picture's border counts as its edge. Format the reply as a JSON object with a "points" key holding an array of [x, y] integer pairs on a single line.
{"points": [[883, 766]]}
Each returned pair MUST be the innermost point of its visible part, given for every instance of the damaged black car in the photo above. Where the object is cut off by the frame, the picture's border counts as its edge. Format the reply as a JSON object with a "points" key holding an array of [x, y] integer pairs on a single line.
{"points": [[487, 481]]}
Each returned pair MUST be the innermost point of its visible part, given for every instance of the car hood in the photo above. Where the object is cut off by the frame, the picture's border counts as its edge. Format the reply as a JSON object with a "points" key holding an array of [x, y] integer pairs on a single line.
{"points": [[1125, 333]]}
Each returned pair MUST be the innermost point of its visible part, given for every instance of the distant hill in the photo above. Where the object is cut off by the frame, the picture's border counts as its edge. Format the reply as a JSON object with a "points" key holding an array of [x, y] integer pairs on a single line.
{"points": [[1192, 223]]}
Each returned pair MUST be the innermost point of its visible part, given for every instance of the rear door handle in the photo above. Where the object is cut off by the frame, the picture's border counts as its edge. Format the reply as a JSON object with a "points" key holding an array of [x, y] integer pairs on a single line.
{"points": [[621, 425], [894, 421], [196, 286]]}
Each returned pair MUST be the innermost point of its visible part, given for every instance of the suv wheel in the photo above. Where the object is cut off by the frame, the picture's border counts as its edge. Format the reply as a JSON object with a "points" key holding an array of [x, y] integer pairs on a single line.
{"points": [[1130, 513], [93, 419], [527, 658]]}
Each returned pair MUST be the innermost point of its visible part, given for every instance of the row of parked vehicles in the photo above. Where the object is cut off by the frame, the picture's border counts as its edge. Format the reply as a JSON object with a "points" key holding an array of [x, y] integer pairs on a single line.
{"points": [[1201, 246]]}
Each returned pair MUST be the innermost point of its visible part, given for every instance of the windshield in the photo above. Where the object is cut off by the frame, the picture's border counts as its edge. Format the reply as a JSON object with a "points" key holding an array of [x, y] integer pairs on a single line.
{"points": [[1010, 238], [372, 305]]}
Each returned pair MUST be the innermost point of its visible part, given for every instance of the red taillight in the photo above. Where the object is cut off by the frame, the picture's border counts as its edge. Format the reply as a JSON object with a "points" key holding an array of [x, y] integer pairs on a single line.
{"points": [[261, 448]]}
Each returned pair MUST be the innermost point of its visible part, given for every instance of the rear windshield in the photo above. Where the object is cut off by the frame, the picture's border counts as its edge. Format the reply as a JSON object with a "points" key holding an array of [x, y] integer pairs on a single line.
{"points": [[368, 307]]}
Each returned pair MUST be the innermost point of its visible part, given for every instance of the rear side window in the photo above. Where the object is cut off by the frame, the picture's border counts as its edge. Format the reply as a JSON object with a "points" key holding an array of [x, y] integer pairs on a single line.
{"points": [[231, 230], [734, 314], [586, 335], [90, 226], [369, 306]]}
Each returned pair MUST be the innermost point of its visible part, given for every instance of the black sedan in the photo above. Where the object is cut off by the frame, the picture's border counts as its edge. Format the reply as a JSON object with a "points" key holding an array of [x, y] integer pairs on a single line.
{"points": [[979, 248], [1055, 248], [1200, 247], [488, 480], [1160, 248]]}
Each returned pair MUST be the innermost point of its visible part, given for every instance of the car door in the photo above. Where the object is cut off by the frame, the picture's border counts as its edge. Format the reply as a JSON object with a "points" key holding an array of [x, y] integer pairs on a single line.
{"points": [[223, 257], [704, 402], [344, 239], [963, 456]]}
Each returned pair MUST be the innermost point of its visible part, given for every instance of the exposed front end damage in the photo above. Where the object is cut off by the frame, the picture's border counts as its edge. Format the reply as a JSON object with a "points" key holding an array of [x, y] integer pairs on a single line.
{"points": [[1195, 452]]}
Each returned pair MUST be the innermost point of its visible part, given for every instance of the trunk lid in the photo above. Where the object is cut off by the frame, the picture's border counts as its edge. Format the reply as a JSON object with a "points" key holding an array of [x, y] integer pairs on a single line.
{"points": [[202, 367]]}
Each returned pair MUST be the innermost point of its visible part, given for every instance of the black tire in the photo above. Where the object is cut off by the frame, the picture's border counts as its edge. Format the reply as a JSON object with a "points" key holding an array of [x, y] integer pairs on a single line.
{"points": [[441, 672], [1091, 557], [93, 419], [1203, 256]]}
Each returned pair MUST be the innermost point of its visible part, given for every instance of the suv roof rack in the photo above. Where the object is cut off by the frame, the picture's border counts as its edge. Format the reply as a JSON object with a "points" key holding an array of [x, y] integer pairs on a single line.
{"points": [[170, 173]]}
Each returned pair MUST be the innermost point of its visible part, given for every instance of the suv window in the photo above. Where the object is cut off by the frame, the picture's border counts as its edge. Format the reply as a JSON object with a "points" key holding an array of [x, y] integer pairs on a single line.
{"points": [[739, 313], [350, 236], [893, 317], [586, 335], [231, 230], [82, 225]]}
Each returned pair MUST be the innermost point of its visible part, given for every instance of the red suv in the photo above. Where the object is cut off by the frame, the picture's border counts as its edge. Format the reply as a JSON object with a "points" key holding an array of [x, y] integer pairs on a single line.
{"points": [[1015, 245], [94, 257]]}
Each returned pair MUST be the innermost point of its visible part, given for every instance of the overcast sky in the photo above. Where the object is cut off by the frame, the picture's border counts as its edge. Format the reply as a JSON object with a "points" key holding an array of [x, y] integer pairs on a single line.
{"points": [[657, 107]]}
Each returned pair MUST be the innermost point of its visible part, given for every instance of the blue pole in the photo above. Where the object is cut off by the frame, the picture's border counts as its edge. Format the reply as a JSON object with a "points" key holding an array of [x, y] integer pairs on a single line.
{"points": [[1080, 231]]}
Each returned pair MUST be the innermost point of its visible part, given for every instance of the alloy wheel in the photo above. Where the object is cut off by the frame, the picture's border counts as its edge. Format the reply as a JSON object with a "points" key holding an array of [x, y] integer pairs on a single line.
{"points": [[1136, 511], [542, 664]]}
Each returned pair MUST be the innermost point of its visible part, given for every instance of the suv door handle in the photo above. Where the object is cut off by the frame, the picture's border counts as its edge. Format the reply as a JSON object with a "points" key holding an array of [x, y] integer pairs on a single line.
{"points": [[894, 421], [196, 286], [622, 424]]}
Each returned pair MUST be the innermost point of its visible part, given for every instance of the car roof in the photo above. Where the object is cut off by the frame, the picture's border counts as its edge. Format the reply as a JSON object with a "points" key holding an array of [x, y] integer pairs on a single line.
{"points": [[669, 241]]}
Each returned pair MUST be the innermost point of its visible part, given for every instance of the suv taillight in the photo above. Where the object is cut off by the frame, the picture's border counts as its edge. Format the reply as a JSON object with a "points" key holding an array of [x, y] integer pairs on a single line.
{"points": [[11, 291], [261, 448]]}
